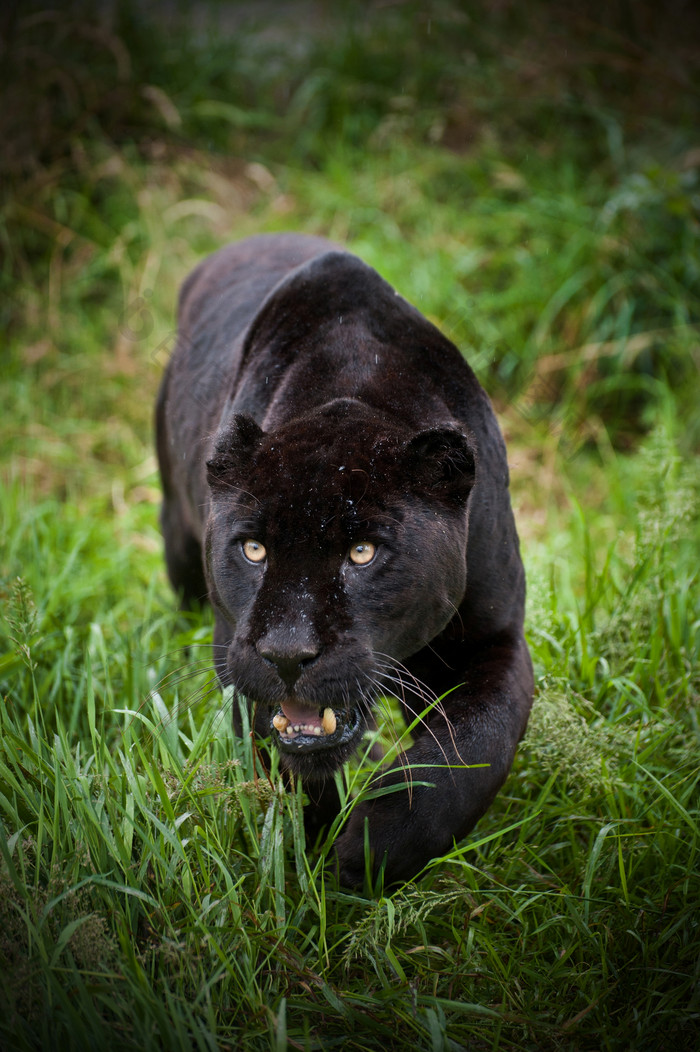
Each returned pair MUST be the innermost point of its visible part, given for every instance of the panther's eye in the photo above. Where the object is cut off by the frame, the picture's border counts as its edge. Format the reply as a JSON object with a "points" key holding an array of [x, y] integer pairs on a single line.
{"points": [[254, 551], [361, 554]]}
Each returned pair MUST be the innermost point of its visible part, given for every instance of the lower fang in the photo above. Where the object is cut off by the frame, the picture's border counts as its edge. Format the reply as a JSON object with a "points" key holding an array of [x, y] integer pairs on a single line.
{"points": [[280, 722], [329, 721]]}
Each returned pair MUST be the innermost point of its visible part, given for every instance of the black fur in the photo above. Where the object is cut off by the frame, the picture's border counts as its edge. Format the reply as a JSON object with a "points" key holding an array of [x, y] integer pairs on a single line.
{"points": [[308, 407]]}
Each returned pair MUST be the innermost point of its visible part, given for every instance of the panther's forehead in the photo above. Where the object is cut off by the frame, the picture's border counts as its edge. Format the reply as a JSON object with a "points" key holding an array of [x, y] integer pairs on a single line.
{"points": [[313, 507], [326, 465]]}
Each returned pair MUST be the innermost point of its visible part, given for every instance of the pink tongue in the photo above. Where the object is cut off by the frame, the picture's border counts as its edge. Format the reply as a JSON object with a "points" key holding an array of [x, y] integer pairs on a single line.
{"points": [[297, 713]]}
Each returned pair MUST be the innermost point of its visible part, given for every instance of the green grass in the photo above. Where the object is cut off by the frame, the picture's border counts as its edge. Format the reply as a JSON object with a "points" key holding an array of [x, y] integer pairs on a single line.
{"points": [[155, 888]]}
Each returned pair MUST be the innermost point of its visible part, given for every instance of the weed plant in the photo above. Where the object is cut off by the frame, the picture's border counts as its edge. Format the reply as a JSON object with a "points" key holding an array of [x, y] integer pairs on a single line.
{"points": [[529, 178]]}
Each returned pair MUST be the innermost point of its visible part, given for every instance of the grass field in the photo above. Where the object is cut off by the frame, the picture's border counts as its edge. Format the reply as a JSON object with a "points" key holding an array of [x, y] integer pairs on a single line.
{"points": [[530, 179]]}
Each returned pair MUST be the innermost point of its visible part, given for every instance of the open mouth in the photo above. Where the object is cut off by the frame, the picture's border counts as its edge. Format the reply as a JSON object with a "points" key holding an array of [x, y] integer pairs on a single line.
{"points": [[301, 729]]}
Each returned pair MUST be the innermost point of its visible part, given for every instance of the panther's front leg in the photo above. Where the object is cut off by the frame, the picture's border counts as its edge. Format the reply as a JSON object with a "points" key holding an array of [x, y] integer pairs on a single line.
{"points": [[484, 718]]}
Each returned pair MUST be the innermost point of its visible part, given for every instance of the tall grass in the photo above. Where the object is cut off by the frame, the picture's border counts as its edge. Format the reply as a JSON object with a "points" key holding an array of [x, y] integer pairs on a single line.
{"points": [[157, 890]]}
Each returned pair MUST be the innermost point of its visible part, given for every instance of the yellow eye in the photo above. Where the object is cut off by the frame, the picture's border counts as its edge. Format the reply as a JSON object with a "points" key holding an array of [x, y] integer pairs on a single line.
{"points": [[361, 554], [254, 551]]}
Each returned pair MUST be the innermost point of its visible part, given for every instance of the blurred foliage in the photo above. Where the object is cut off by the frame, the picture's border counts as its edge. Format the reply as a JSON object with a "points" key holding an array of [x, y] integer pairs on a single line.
{"points": [[548, 157]]}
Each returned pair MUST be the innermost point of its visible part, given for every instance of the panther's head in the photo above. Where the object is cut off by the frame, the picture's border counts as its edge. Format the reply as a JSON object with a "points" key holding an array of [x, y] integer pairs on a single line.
{"points": [[335, 548]]}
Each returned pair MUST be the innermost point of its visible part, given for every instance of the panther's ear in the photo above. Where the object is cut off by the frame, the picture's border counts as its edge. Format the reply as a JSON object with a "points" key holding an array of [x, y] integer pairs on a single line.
{"points": [[235, 444], [442, 463]]}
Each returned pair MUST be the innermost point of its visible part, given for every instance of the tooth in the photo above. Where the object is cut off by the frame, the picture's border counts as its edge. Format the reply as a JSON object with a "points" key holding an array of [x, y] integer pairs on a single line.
{"points": [[329, 721], [280, 722]]}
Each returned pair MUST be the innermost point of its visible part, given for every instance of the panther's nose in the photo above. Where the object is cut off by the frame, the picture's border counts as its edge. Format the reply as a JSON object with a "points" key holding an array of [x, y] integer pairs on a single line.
{"points": [[290, 650]]}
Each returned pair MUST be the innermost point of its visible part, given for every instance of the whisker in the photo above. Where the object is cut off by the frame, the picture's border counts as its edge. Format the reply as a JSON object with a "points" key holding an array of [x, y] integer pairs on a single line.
{"points": [[418, 689], [372, 698], [423, 693], [421, 690], [399, 751]]}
